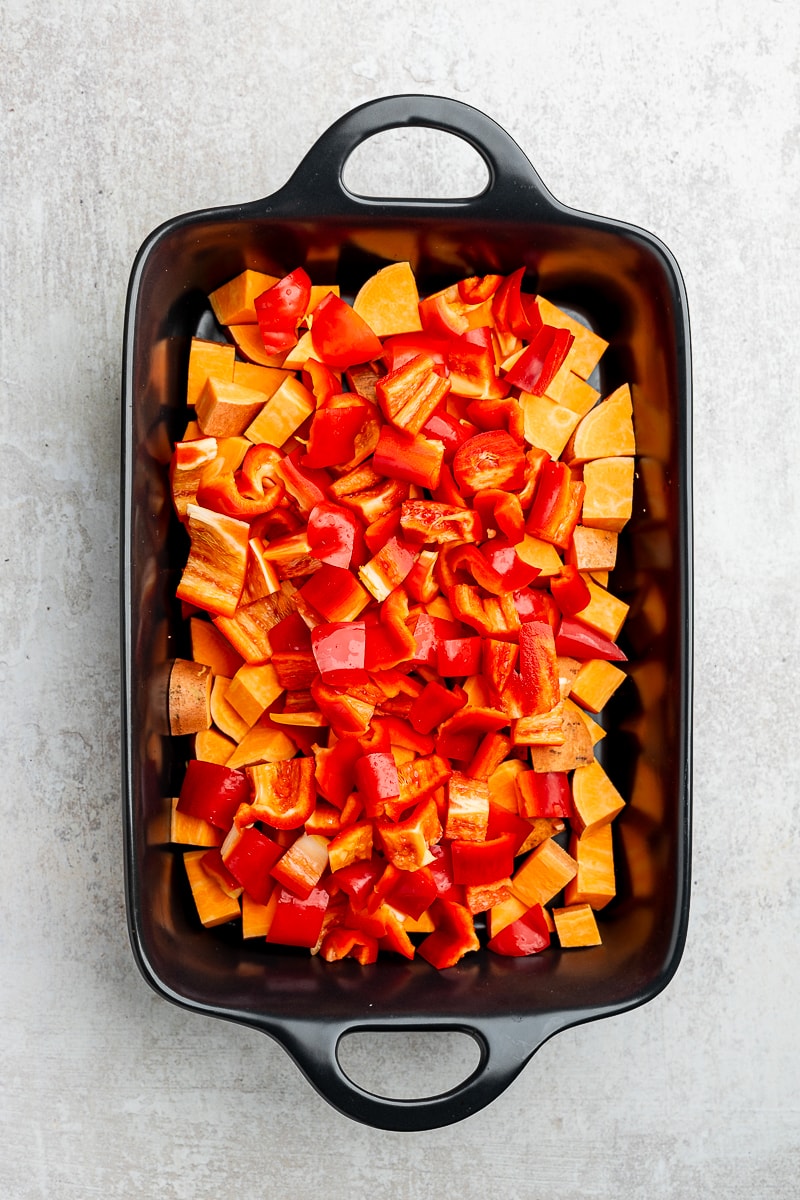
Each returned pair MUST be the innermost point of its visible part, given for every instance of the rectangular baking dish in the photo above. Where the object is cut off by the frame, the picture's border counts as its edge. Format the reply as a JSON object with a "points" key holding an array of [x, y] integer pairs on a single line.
{"points": [[625, 284]]}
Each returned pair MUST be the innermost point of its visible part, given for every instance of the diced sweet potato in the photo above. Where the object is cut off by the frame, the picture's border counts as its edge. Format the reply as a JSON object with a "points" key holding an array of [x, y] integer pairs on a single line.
{"points": [[189, 697], [575, 751], [283, 413], [605, 612], [544, 873], [537, 553], [214, 906], [185, 830], [253, 689], [608, 499], [248, 342], [576, 926], [606, 431], [263, 743], [594, 882], [588, 347], [212, 746], [207, 358], [389, 301], [592, 549], [547, 425], [595, 798], [225, 716], [257, 918], [262, 379], [573, 392], [234, 302], [596, 683], [209, 646]]}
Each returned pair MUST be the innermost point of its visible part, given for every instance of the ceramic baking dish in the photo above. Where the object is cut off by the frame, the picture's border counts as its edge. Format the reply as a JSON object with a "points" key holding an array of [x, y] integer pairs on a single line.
{"points": [[626, 285]]}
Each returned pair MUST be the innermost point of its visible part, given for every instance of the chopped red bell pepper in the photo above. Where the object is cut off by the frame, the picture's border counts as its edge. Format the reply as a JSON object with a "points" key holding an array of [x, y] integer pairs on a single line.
{"points": [[320, 381], [556, 505], [451, 431], [513, 310], [331, 533], [432, 521], [442, 314], [456, 657], [339, 650], [501, 413], [483, 862], [544, 794], [539, 363], [421, 583], [388, 568], [471, 367], [514, 572], [308, 487], [298, 922], [575, 640], [340, 336], [402, 347], [213, 793], [284, 794], [409, 395], [332, 435], [454, 936], [434, 704], [250, 855], [335, 594], [489, 460], [478, 288], [570, 590], [415, 459], [342, 943], [377, 779], [540, 689], [527, 935], [280, 309], [500, 512], [411, 892]]}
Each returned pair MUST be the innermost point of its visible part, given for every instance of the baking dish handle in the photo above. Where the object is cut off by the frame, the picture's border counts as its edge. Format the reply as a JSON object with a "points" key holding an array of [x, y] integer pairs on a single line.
{"points": [[319, 179], [506, 1044]]}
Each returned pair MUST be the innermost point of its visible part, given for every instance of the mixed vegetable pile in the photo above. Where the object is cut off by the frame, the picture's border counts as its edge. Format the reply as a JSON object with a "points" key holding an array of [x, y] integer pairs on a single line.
{"points": [[401, 516]]}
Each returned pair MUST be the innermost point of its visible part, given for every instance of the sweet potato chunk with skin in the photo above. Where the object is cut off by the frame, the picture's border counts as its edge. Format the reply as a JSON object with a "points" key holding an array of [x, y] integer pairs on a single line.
{"points": [[576, 926], [592, 550], [389, 301], [575, 750], [605, 432], [595, 798], [608, 499]]}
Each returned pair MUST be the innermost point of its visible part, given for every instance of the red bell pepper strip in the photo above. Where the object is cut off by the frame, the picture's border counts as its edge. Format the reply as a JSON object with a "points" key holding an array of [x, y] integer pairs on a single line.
{"points": [[540, 361], [502, 413], [513, 571], [302, 864], [342, 943], [483, 862], [493, 749], [215, 868], [409, 395], [391, 642], [332, 435], [359, 878], [538, 668], [419, 779], [442, 315], [451, 431], [535, 460], [462, 563], [321, 381], [471, 367], [534, 604], [570, 590], [400, 348], [290, 635], [489, 460], [221, 492], [459, 735], [434, 704], [454, 936], [441, 869], [284, 794], [213, 793], [514, 311], [412, 892], [382, 529], [431, 521], [340, 336], [344, 713], [377, 779], [334, 771], [478, 288], [415, 459], [400, 733], [260, 466], [298, 922], [406, 842], [500, 512], [527, 935], [502, 820], [331, 534], [280, 309], [339, 649], [556, 505], [499, 661], [250, 855], [447, 492], [575, 640], [544, 794], [388, 568], [335, 594], [421, 583], [308, 487]]}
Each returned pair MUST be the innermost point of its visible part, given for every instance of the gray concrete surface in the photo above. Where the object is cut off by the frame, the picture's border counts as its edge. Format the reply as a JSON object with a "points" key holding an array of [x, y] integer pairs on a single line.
{"points": [[115, 116]]}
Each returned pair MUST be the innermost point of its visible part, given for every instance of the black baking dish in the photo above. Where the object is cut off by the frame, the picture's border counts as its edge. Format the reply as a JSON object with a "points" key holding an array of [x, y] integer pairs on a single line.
{"points": [[625, 284]]}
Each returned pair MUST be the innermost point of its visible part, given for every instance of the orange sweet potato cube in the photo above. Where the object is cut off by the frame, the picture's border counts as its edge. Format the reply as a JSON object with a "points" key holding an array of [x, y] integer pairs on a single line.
{"points": [[257, 918], [595, 798], [212, 746], [576, 926], [262, 379], [592, 549], [608, 499], [253, 689], [283, 413], [211, 647], [547, 424], [234, 302], [605, 612], [191, 831], [226, 409], [205, 359], [214, 906], [543, 874], [605, 432], [389, 301], [594, 883], [249, 343], [596, 683], [588, 347]]}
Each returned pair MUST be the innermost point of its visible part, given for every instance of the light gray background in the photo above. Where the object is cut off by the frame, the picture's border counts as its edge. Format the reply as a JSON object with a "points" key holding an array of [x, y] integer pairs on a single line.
{"points": [[682, 118]]}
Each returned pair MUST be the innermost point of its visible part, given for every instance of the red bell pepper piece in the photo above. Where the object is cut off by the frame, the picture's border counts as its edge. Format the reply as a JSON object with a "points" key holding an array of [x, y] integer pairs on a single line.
{"points": [[460, 563], [514, 311], [213, 793], [538, 668], [478, 288], [409, 395], [483, 862], [493, 749], [471, 366], [556, 505], [280, 309], [400, 348], [213, 866], [250, 855], [334, 593], [500, 512], [460, 734], [321, 381], [359, 878], [447, 491], [290, 635], [377, 779], [527, 935], [388, 568], [412, 892], [420, 583], [433, 705], [534, 604], [502, 413], [339, 650], [570, 590], [340, 336], [499, 661], [432, 521], [489, 460], [502, 820], [442, 315], [539, 363], [299, 922], [544, 794], [259, 467], [382, 529], [332, 435], [414, 459], [451, 431], [308, 487], [221, 492], [575, 640], [334, 771], [458, 656], [441, 869], [331, 534], [513, 571], [342, 943], [284, 794], [344, 713], [453, 937]]}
